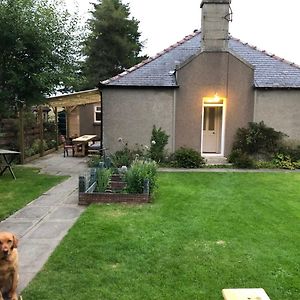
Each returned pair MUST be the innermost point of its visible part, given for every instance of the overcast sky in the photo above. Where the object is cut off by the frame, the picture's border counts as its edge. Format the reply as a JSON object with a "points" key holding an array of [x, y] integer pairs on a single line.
{"points": [[271, 25]]}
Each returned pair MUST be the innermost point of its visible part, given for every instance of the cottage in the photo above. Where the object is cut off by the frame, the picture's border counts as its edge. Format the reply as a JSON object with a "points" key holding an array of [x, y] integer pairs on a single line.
{"points": [[201, 90]]}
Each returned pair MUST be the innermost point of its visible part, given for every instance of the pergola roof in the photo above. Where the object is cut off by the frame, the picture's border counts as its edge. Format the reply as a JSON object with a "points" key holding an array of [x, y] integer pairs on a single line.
{"points": [[74, 99]]}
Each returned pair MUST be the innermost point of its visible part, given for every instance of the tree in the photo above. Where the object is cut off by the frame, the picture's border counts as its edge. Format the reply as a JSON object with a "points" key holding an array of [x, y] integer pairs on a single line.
{"points": [[113, 44], [38, 51]]}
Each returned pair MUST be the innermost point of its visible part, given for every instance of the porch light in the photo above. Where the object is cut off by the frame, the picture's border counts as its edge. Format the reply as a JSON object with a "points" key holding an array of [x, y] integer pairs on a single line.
{"points": [[215, 99]]}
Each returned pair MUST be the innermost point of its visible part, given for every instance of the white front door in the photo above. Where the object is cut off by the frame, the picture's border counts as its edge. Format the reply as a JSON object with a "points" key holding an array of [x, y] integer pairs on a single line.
{"points": [[212, 129]]}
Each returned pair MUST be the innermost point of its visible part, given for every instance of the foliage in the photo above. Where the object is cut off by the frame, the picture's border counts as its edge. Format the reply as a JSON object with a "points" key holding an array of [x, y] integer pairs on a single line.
{"points": [[241, 159], [292, 149], [30, 184], [38, 51], [241, 228], [94, 161], [283, 161], [35, 147], [187, 158], [125, 156], [138, 172], [263, 164], [103, 178], [159, 140], [113, 43], [258, 139]]}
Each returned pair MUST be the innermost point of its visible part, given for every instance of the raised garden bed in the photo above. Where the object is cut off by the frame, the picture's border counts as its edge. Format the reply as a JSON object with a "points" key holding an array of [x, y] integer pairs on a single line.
{"points": [[87, 194]]}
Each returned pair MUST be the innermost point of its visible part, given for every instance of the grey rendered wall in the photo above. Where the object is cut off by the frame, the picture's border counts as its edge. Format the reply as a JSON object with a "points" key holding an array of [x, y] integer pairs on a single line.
{"points": [[87, 125], [131, 114], [207, 74], [279, 109]]}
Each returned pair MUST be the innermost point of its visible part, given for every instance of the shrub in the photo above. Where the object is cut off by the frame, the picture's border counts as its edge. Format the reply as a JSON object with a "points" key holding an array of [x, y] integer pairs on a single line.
{"points": [[258, 139], [292, 149], [262, 164], [138, 173], [187, 158], [159, 140], [35, 147], [241, 159], [94, 161], [283, 161], [103, 178], [125, 157]]}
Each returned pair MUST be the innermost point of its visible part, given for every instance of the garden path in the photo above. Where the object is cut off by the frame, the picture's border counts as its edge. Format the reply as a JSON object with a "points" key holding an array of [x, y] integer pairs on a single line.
{"points": [[42, 224]]}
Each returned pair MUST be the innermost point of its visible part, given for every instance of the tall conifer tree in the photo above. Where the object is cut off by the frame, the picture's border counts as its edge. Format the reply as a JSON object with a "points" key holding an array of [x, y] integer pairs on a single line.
{"points": [[113, 44]]}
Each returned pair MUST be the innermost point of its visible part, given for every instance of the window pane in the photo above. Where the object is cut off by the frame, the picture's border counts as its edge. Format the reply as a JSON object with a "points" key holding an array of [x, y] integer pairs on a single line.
{"points": [[98, 117], [211, 120], [205, 117]]}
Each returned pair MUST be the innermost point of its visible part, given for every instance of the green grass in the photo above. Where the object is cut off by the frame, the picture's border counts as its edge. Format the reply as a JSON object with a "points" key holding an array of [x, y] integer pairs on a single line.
{"points": [[204, 232], [30, 184]]}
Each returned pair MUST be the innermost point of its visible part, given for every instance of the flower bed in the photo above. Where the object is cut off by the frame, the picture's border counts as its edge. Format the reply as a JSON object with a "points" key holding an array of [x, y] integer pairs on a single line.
{"points": [[114, 193]]}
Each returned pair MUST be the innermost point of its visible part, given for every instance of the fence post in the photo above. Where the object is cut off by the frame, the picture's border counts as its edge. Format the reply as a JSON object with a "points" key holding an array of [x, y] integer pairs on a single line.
{"points": [[41, 129], [82, 184], [21, 135], [56, 128]]}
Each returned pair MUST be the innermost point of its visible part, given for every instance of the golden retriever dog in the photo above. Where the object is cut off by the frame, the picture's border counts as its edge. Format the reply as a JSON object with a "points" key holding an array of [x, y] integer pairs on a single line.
{"points": [[8, 266]]}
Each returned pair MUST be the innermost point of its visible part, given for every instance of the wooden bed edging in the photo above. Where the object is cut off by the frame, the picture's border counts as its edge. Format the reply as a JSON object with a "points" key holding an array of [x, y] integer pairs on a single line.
{"points": [[89, 198]]}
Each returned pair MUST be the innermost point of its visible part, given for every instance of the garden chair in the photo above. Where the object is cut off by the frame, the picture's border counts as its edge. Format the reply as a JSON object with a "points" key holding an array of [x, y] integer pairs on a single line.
{"points": [[68, 145]]}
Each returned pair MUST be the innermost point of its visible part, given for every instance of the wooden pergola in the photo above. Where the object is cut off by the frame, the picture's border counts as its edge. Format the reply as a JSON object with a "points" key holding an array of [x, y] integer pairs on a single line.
{"points": [[69, 102]]}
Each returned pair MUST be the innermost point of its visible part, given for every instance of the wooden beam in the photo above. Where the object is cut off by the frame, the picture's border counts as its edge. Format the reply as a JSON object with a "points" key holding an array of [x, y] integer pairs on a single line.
{"points": [[74, 99]]}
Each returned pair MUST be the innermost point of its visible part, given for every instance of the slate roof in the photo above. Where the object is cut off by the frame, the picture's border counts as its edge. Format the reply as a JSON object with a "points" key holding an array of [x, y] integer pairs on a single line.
{"points": [[270, 71]]}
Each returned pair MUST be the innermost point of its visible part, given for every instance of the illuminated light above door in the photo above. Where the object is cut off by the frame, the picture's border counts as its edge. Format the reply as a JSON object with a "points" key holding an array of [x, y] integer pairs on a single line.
{"points": [[216, 99]]}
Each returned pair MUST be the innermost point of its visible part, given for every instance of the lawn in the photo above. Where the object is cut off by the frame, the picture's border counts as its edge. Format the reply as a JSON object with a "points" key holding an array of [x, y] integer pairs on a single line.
{"points": [[203, 232], [30, 184]]}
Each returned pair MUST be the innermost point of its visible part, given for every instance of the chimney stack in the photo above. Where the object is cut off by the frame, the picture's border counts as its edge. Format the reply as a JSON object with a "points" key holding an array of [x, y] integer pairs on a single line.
{"points": [[216, 15]]}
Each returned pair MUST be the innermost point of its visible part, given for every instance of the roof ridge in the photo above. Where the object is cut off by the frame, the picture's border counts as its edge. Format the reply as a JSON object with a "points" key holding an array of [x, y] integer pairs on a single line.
{"points": [[272, 55], [152, 58]]}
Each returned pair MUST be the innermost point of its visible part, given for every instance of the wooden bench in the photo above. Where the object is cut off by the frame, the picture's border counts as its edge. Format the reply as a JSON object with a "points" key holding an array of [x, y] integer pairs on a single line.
{"points": [[245, 294]]}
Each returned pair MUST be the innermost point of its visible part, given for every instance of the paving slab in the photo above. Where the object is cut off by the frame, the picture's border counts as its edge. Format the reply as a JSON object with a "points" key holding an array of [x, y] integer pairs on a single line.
{"points": [[43, 223]]}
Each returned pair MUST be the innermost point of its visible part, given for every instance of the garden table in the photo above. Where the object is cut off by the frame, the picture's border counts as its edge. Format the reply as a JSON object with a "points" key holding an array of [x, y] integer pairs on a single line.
{"points": [[245, 294], [8, 157], [83, 142]]}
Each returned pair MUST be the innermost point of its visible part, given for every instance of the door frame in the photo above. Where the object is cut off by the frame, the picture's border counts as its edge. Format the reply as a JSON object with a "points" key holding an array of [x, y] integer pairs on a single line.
{"points": [[207, 103]]}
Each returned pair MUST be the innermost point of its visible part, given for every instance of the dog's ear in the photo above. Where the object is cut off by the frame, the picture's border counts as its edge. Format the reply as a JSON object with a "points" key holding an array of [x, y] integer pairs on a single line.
{"points": [[15, 241]]}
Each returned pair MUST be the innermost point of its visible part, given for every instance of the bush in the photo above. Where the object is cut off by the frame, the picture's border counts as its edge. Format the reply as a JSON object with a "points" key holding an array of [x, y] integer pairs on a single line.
{"points": [[159, 140], [291, 149], [258, 139], [187, 158], [240, 159], [283, 161], [138, 172], [94, 161], [125, 157], [103, 178]]}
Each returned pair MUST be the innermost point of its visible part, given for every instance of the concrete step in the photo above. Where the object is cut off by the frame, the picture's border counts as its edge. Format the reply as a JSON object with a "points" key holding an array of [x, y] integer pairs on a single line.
{"points": [[216, 160]]}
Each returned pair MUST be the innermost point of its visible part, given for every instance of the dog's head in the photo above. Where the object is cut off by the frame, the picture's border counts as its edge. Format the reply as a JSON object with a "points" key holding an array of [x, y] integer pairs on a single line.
{"points": [[8, 241]]}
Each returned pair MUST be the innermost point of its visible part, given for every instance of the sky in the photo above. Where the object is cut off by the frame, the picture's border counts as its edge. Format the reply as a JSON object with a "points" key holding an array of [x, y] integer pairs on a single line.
{"points": [[271, 25]]}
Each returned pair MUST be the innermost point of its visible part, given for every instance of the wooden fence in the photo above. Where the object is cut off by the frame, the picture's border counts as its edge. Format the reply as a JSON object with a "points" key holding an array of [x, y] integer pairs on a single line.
{"points": [[30, 139]]}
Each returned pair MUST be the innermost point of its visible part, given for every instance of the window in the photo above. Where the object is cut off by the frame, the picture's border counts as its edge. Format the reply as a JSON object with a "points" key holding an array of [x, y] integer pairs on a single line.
{"points": [[97, 114]]}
